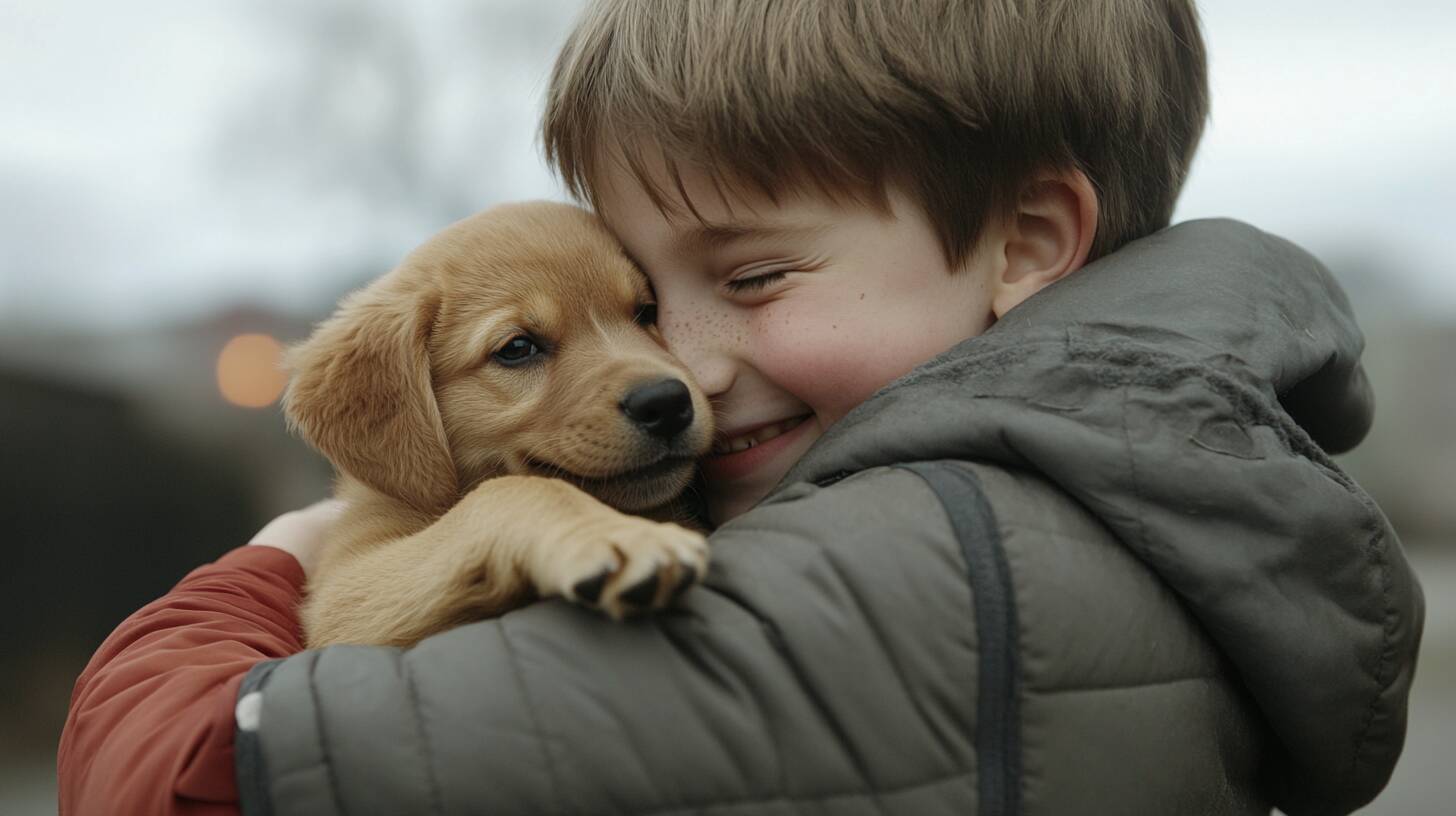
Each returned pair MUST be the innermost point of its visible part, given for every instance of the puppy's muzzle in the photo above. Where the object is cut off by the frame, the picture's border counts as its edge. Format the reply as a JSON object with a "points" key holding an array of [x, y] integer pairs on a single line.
{"points": [[661, 409]]}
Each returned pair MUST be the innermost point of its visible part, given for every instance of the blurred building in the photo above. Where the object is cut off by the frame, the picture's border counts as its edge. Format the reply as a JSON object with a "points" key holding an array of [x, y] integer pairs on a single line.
{"points": [[122, 467]]}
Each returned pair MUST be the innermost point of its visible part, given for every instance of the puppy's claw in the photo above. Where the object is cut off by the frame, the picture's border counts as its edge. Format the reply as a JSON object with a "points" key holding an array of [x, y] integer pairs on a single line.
{"points": [[684, 583], [589, 590], [631, 565], [643, 594]]}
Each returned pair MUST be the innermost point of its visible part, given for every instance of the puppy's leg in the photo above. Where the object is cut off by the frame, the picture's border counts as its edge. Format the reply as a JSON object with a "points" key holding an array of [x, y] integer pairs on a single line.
{"points": [[508, 540]]}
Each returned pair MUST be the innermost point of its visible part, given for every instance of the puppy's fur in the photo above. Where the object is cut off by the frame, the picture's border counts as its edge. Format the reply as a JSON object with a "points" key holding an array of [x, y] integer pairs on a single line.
{"points": [[478, 474]]}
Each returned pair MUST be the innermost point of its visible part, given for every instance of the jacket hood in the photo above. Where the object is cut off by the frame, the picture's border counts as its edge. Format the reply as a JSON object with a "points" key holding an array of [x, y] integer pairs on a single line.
{"points": [[1188, 390]]}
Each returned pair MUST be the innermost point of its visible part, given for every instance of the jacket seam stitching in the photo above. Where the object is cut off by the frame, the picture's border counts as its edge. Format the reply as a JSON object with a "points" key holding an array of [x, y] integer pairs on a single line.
{"points": [[874, 627], [318, 721], [531, 712], [871, 625], [437, 803], [1382, 563], [818, 706], [1132, 472], [810, 797], [1166, 681]]}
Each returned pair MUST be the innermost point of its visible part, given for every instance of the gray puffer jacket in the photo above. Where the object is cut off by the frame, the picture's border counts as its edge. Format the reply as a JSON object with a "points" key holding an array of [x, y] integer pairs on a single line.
{"points": [[1085, 563]]}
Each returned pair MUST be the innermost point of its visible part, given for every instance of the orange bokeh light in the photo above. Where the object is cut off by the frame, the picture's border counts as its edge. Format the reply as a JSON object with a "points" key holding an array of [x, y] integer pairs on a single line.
{"points": [[250, 372]]}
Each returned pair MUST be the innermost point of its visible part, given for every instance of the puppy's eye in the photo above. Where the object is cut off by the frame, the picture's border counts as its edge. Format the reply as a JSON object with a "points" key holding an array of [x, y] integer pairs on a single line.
{"points": [[646, 314], [519, 349]]}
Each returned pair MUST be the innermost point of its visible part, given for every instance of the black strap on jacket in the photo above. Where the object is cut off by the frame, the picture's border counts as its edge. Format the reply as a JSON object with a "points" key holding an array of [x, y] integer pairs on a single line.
{"points": [[998, 710]]}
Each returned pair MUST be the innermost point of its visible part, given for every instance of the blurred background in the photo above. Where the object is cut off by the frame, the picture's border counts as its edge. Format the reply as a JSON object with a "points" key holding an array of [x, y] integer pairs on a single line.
{"points": [[185, 186]]}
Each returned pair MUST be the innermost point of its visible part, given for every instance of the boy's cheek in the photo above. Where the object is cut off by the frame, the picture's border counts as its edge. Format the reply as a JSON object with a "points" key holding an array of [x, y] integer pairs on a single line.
{"points": [[835, 355], [835, 372]]}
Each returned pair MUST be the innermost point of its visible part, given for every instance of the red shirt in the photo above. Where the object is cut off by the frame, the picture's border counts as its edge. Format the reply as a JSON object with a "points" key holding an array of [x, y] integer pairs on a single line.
{"points": [[150, 730]]}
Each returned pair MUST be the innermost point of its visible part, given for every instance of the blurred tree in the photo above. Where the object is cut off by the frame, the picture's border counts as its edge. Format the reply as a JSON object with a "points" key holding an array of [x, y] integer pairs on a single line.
{"points": [[345, 110], [398, 110]]}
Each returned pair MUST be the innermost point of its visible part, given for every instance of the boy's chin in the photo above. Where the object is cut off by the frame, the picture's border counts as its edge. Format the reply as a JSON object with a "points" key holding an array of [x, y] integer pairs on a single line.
{"points": [[727, 500]]}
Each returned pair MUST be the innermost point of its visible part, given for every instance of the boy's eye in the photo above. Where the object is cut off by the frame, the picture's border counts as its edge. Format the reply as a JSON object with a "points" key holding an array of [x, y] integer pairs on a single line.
{"points": [[646, 315], [756, 282], [517, 350]]}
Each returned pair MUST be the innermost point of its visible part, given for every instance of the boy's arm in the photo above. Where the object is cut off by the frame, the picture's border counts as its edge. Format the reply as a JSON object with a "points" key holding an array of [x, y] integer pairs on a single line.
{"points": [[780, 679], [150, 728]]}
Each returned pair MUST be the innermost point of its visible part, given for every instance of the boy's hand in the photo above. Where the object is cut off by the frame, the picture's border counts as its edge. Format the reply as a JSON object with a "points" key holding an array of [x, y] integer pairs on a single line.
{"points": [[300, 533]]}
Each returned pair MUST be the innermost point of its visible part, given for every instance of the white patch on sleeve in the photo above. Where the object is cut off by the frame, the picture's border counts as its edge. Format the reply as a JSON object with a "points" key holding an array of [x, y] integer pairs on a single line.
{"points": [[249, 711]]}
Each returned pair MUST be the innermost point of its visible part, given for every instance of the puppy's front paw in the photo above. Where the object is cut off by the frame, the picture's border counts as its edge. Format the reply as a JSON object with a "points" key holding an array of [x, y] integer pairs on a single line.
{"points": [[626, 565]]}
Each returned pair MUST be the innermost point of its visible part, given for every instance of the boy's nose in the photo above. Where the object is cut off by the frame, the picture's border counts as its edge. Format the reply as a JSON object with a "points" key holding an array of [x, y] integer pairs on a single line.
{"points": [[662, 408], [709, 357]]}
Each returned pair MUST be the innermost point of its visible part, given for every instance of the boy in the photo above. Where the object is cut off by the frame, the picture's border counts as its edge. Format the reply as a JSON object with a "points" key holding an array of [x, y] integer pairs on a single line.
{"points": [[1083, 561]]}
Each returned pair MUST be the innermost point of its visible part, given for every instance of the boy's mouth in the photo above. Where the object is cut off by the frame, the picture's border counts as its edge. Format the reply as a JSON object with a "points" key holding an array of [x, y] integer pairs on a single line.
{"points": [[758, 436]]}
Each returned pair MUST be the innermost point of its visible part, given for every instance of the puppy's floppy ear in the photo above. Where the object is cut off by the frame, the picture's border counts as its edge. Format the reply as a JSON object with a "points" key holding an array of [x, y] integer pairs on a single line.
{"points": [[360, 392]]}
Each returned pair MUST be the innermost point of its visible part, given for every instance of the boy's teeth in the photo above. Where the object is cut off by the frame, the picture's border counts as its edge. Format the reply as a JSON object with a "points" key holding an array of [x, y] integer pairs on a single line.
{"points": [[758, 437]]}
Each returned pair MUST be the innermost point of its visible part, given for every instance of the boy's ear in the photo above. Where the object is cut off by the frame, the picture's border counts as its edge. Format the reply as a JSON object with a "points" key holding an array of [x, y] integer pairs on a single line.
{"points": [[361, 392], [1048, 236]]}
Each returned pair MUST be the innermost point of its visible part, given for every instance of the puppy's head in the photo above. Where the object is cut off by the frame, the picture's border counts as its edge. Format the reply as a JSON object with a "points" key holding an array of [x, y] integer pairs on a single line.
{"points": [[517, 341]]}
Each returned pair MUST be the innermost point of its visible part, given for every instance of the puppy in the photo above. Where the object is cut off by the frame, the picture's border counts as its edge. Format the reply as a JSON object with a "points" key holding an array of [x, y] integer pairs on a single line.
{"points": [[494, 408]]}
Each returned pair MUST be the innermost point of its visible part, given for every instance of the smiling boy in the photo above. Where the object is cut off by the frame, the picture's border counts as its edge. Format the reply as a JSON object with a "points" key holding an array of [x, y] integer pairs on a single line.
{"points": [[1026, 502], [791, 313]]}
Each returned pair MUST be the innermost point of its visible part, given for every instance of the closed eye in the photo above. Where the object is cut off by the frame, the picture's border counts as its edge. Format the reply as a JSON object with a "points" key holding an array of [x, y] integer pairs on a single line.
{"points": [[756, 282]]}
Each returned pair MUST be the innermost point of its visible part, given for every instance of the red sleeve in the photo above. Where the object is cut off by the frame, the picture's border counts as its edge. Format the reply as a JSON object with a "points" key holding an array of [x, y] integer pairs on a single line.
{"points": [[150, 728]]}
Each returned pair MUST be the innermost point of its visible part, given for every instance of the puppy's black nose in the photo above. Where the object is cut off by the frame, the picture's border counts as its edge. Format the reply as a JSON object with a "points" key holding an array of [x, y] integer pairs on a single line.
{"points": [[662, 408]]}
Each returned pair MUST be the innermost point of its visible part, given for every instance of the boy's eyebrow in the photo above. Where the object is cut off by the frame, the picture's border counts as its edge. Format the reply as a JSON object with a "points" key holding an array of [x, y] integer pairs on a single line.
{"points": [[717, 236]]}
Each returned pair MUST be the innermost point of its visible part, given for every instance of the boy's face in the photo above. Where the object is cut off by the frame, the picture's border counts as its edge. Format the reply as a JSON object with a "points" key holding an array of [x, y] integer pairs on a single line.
{"points": [[789, 314]]}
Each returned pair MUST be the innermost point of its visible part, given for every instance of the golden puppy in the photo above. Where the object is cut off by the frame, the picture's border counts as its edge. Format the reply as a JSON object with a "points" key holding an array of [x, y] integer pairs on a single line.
{"points": [[486, 405]]}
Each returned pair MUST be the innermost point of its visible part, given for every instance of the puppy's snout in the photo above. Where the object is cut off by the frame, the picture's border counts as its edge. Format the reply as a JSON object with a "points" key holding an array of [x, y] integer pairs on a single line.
{"points": [[662, 408]]}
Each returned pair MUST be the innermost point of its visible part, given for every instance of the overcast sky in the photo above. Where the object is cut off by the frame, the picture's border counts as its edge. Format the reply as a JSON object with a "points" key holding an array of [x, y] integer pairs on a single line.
{"points": [[160, 158]]}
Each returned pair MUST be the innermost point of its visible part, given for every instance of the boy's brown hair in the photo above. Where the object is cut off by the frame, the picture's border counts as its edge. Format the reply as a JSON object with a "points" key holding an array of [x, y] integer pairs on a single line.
{"points": [[959, 101]]}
